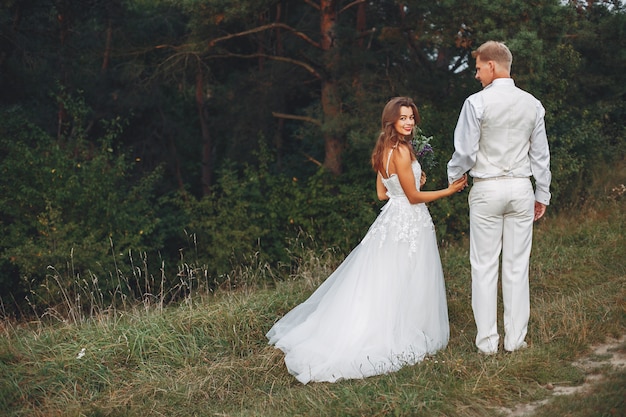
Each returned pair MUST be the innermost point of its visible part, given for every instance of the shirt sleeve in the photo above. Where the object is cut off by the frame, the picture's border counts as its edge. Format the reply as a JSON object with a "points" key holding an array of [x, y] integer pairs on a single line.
{"points": [[466, 137], [539, 154]]}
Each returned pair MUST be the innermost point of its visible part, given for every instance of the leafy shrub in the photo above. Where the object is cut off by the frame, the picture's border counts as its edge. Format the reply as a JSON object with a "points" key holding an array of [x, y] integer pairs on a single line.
{"points": [[68, 197], [257, 211]]}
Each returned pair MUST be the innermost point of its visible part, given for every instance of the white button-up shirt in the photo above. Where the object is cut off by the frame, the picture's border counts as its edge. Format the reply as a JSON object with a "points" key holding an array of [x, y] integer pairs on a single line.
{"points": [[469, 131]]}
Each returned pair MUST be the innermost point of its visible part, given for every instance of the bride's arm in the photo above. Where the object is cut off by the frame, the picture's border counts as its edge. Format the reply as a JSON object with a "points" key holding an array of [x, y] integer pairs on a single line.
{"points": [[402, 160]]}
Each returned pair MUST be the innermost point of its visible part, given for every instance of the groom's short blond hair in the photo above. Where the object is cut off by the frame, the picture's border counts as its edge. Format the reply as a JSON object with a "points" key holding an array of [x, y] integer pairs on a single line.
{"points": [[495, 51]]}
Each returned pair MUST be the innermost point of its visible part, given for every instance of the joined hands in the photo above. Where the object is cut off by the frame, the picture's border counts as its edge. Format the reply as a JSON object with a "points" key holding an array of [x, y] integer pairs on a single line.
{"points": [[458, 185]]}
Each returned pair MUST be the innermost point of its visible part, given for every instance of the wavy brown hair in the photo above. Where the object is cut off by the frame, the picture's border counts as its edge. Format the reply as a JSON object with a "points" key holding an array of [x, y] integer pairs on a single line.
{"points": [[388, 136]]}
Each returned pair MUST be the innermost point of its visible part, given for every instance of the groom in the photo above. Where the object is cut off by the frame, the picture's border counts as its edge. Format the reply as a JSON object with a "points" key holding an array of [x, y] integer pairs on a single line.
{"points": [[500, 138]]}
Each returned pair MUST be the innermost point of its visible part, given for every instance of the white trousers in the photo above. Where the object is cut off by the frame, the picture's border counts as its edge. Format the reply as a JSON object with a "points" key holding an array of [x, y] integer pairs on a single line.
{"points": [[501, 223]]}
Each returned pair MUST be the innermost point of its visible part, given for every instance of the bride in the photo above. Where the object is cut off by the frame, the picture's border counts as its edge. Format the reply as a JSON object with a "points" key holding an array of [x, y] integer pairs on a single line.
{"points": [[385, 306]]}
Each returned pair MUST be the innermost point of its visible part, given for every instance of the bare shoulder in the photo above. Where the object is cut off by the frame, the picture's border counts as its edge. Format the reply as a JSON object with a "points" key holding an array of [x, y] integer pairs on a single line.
{"points": [[404, 152]]}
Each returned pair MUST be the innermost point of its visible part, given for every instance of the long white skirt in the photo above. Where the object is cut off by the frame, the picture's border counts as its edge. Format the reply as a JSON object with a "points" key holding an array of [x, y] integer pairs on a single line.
{"points": [[383, 308]]}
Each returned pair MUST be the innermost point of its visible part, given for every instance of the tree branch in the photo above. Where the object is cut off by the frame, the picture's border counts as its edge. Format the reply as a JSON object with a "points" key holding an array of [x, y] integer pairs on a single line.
{"points": [[302, 64], [310, 3], [354, 3], [262, 28], [296, 117], [310, 158]]}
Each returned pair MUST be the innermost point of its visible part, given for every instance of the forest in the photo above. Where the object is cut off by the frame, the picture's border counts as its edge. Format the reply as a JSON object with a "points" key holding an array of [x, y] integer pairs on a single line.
{"points": [[177, 140]]}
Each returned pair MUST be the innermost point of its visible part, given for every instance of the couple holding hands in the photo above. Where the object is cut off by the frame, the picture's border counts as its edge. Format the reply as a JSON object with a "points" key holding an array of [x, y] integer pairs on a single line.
{"points": [[385, 306]]}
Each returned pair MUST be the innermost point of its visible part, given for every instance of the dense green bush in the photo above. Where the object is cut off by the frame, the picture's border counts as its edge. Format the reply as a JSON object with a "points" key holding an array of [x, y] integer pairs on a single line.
{"points": [[259, 211], [79, 207], [72, 203]]}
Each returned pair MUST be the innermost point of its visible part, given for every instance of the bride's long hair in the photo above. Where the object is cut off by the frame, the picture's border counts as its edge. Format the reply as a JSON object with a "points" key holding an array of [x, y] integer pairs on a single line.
{"points": [[388, 136]]}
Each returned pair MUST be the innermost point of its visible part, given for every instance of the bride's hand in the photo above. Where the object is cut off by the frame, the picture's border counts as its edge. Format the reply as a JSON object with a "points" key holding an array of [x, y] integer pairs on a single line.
{"points": [[422, 179], [458, 185]]}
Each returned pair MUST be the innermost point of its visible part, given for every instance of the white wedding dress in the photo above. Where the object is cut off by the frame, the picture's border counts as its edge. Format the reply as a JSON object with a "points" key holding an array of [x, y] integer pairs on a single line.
{"points": [[383, 308]]}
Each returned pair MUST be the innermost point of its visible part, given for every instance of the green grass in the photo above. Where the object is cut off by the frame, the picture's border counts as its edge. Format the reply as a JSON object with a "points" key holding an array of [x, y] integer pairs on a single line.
{"points": [[207, 355]]}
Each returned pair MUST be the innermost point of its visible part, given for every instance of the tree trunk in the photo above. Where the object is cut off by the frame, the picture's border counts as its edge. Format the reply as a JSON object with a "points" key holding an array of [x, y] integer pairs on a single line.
{"points": [[63, 18], [207, 142], [261, 42], [107, 47], [333, 141], [280, 128], [361, 26]]}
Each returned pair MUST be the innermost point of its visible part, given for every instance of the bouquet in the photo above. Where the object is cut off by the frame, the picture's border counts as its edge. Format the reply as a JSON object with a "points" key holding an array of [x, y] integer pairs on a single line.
{"points": [[423, 149]]}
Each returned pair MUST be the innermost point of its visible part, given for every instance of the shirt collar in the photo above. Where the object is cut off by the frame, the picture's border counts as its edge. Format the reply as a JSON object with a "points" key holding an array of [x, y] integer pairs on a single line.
{"points": [[502, 81]]}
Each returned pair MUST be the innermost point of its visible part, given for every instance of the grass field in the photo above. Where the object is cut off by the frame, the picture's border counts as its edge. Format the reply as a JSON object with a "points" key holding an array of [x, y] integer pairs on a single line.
{"points": [[207, 356]]}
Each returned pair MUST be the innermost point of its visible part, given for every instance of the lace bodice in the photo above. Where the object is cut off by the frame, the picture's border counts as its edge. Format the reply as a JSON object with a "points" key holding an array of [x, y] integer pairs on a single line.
{"points": [[400, 220], [392, 184]]}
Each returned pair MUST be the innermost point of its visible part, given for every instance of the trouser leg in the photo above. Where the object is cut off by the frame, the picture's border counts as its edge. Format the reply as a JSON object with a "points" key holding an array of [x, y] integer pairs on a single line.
{"points": [[516, 247], [486, 224]]}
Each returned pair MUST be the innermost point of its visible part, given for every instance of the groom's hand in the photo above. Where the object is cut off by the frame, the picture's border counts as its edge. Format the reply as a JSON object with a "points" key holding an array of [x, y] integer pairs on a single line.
{"points": [[540, 210]]}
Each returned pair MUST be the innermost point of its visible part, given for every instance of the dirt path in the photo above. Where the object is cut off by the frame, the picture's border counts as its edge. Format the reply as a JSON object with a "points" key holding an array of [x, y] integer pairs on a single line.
{"points": [[602, 355]]}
